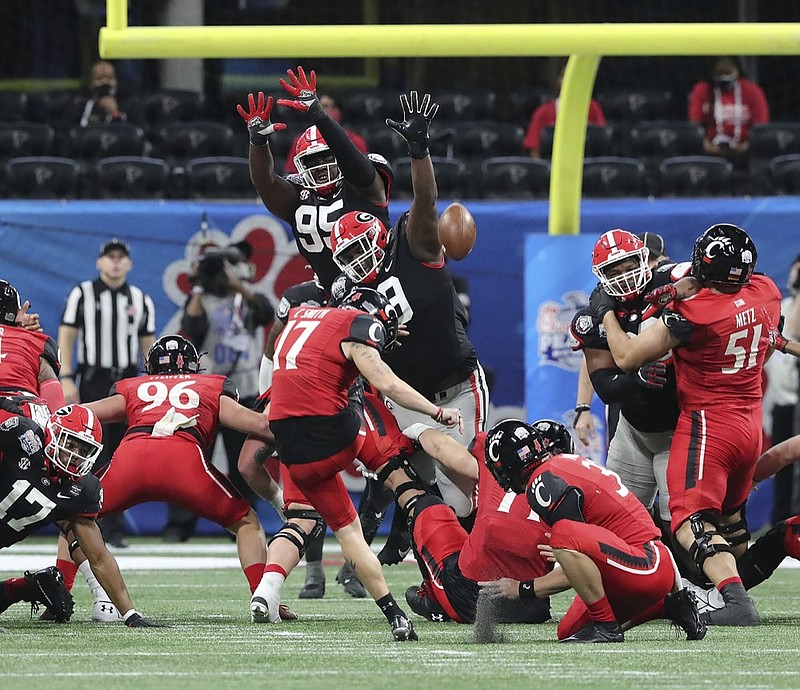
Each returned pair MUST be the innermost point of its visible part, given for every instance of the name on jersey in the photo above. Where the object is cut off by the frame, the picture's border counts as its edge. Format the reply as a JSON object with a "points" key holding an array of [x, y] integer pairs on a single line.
{"points": [[312, 313], [746, 317]]}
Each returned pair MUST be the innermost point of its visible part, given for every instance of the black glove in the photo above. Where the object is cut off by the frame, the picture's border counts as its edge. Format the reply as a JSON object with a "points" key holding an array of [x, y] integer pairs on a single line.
{"points": [[652, 375], [415, 127], [134, 619], [601, 303]]}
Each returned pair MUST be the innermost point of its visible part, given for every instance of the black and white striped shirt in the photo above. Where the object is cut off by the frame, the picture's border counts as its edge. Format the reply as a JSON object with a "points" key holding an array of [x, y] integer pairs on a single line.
{"points": [[109, 322]]}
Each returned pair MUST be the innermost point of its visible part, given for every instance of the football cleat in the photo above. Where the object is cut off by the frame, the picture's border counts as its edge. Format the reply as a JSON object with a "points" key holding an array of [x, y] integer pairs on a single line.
{"points": [[312, 590], [396, 548], [598, 631], [421, 602], [47, 587], [737, 612], [346, 577], [265, 604], [104, 611], [681, 608], [707, 599], [403, 630], [286, 614]]}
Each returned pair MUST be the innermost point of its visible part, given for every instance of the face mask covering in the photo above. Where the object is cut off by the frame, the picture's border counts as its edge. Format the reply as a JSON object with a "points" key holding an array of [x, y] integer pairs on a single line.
{"points": [[725, 82]]}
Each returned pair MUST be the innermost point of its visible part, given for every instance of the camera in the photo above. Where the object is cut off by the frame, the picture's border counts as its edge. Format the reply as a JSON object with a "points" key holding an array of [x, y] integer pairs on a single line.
{"points": [[210, 274]]}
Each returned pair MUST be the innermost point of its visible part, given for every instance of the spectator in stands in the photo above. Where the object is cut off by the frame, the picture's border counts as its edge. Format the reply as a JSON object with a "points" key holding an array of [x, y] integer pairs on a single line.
{"points": [[329, 106], [101, 105], [545, 116], [727, 105]]}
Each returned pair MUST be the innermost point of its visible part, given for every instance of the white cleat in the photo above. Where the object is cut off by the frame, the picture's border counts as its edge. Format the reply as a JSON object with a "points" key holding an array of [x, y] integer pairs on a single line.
{"points": [[708, 600], [105, 612], [265, 604]]}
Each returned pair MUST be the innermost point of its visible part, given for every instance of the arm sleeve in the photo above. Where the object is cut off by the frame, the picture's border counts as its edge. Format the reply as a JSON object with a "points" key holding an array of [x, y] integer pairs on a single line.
{"points": [[613, 385], [356, 168]]}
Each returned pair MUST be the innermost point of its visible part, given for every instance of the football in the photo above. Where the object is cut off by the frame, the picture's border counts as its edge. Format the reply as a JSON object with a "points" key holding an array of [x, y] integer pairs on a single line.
{"points": [[457, 231]]}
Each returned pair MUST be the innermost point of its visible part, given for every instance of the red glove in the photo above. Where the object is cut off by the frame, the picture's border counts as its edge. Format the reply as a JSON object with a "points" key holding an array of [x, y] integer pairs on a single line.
{"points": [[652, 375], [259, 126], [661, 296], [777, 340], [304, 90]]}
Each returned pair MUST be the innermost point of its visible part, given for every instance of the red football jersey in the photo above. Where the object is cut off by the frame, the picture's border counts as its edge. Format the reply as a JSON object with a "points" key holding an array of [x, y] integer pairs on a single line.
{"points": [[149, 398], [723, 360], [503, 542], [575, 488], [20, 351], [312, 376]]}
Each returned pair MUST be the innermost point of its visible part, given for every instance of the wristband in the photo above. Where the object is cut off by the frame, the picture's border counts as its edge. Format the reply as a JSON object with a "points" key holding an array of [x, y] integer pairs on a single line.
{"points": [[527, 590], [67, 376]]}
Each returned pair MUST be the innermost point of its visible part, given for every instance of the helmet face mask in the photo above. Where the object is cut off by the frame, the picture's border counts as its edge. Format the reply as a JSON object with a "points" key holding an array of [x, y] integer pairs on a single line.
{"points": [[9, 303], [359, 243], [315, 163], [623, 281], [172, 354], [513, 451], [724, 256], [74, 441], [373, 302]]}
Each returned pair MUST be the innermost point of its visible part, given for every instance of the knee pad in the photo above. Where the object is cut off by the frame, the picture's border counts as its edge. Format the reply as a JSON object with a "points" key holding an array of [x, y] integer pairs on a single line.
{"points": [[702, 548], [736, 533], [296, 534], [401, 462], [419, 503]]}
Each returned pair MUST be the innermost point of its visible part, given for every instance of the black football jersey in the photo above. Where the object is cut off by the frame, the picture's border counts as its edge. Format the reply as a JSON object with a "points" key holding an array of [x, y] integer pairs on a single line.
{"points": [[309, 293], [647, 409], [315, 215], [30, 497]]}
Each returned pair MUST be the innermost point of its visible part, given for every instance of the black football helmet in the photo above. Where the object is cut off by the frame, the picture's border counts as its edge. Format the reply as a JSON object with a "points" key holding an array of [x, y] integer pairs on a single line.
{"points": [[724, 255], [172, 354], [9, 303], [513, 451], [373, 302], [557, 438]]}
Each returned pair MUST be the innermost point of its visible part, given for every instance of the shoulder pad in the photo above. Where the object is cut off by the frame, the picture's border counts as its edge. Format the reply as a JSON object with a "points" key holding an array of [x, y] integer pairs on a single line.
{"points": [[586, 330], [52, 354], [367, 330], [677, 325], [229, 389]]}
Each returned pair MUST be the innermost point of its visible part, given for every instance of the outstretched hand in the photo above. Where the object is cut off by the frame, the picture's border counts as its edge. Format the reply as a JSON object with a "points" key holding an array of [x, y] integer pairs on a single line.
{"points": [[257, 117], [417, 118], [303, 90]]}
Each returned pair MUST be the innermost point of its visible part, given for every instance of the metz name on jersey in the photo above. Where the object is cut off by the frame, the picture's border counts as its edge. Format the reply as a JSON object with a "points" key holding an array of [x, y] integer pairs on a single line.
{"points": [[29, 497], [149, 398]]}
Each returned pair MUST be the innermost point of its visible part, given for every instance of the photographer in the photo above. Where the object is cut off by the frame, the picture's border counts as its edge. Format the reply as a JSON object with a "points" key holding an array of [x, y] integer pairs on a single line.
{"points": [[102, 105], [225, 319]]}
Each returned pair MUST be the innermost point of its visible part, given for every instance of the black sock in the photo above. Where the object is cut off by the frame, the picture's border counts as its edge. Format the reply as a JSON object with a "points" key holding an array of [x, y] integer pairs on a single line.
{"points": [[389, 607]]}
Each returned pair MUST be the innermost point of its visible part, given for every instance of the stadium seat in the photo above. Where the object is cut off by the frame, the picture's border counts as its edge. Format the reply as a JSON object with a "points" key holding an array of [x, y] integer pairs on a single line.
{"points": [[515, 177], [464, 104], [131, 177], [104, 140], [19, 139], [219, 177], [169, 105], [41, 177], [625, 106], [481, 140], [523, 102], [451, 178], [13, 106], [613, 176], [784, 173], [766, 142], [384, 140], [654, 141], [598, 141], [179, 142], [696, 176], [370, 106]]}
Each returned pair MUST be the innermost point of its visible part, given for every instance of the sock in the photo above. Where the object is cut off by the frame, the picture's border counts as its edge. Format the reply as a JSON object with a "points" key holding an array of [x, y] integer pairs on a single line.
{"points": [[253, 574], [389, 607], [68, 570], [314, 572], [735, 580], [600, 611], [98, 593], [14, 589]]}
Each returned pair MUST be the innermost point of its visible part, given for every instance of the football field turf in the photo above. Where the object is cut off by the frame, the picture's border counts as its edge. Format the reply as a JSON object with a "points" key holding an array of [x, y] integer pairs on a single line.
{"points": [[341, 643]]}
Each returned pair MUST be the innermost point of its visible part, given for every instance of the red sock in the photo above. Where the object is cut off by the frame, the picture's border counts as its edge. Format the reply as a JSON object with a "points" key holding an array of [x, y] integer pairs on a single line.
{"points": [[735, 580], [253, 574], [68, 570], [600, 611], [275, 568], [14, 589]]}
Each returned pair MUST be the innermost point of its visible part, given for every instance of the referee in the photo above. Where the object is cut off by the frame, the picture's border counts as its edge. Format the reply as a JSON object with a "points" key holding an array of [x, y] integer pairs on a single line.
{"points": [[113, 323]]}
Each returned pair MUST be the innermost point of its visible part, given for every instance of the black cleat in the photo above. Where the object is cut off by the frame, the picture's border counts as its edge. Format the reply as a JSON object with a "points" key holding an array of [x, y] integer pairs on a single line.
{"points": [[352, 585], [681, 608], [396, 548], [47, 587], [403, 630], [420, 602], [312, 589], [598, 632], [734, 613]]}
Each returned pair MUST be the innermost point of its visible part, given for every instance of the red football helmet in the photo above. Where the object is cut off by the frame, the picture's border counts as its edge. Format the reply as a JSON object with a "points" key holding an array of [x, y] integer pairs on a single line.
{"points": [[315, 163], [74, 439], [358, 242], [612, 248]]}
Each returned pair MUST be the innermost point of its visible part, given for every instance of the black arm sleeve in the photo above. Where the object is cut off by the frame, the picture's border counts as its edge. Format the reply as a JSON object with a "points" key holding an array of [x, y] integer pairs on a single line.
{"points": [[356, 168], [613, 385]]}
